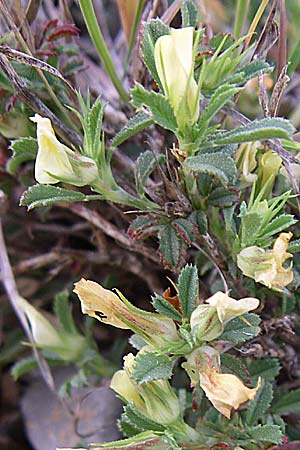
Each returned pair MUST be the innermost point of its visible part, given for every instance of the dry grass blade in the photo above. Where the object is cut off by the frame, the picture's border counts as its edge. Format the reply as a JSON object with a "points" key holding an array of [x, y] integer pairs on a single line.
{"points": [[255, 21], [32, 10], [268, 36], [127, 11], [278, 90], [14, 296], [282, 42], [33, 62]]}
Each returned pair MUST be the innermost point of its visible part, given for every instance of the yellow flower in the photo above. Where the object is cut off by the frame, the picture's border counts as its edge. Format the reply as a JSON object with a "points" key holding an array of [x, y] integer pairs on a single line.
{"points": [[225, 391], [246, 162], [228, 308], [154, 399], [109, 308], [56, 162], [68, 346], [208, 321], [268, 167], [265, 266], [174, 60]]}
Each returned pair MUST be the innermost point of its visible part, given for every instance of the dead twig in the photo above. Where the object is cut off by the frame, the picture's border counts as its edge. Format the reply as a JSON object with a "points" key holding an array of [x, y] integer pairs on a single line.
{"points": [[13, 295]]}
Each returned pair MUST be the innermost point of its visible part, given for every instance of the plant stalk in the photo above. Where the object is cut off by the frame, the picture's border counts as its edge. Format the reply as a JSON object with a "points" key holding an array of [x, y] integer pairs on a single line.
{"points": [[95, 33]]}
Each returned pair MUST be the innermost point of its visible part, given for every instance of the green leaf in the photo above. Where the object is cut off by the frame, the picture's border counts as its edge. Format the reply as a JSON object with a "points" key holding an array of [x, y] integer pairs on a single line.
{"points": [[248, 71], [258, 406], [137, 420], [277, 225], [217, 164], [44, 195], [94, 123], [231, 364], [218, 99], [288, 403], [137, 123], [174, 239], [294, 246], [162, 306], [152, 31], [250, 228], [24, 149], [189, 14], [267, 368], [257, 130], [62, 310], [23, 366], [145, 164], [242, 328], [222, 197], [266, 433], [162, 112], [199, 219], [188, 289], [151, 366]]}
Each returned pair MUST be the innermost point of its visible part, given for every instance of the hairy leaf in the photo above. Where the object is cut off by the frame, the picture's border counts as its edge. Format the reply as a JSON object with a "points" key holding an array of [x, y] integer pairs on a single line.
{"points": [[189, 14], [217, 164], [288, 403], [258, 406], [137, 123], [231, 364], [242, 328], [152, 31], [24, 149], [188, 289], [44, 195], [145, 164], [162, 112], [267, 128], [151, 366], [266, 433], [162, 306], [267, 368]]}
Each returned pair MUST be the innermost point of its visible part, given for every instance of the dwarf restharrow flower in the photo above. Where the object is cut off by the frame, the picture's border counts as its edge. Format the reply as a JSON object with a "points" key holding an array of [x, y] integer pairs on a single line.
{"points": [[67, 346], [208, 320], [108, 307], [266, 266], [56, 162], [154, 399], [174, 61], [225, 391]]}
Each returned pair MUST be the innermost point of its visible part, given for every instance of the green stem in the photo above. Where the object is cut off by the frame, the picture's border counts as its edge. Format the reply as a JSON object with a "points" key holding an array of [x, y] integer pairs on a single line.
{"points": [[242, 7], [95, 33]]}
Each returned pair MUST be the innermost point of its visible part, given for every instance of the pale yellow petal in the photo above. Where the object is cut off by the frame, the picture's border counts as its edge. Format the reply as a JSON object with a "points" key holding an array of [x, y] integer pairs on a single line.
{"points": [[225, 391], [229, 308], [95, 299]]}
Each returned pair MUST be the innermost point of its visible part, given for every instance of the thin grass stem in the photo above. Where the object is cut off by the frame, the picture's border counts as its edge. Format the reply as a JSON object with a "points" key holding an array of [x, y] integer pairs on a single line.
{"points": [[95, 33]]}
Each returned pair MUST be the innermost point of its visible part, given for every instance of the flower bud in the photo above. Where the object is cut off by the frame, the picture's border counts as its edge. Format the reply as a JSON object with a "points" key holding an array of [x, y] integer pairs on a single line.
{"points": [[68, 346], [205, 324], [268, 167], [246, 163], [174, 60], [56, 162], [208, 321]]}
